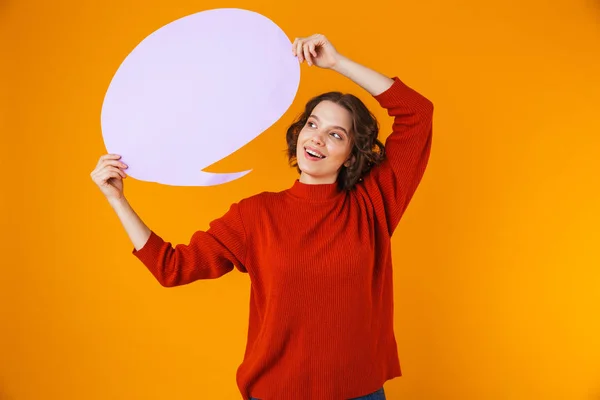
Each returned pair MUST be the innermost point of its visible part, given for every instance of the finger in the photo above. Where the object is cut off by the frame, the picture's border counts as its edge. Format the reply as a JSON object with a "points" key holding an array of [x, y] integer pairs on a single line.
{"points": [[313, 49], [112, 169], [299, 51], [107, 176], [112, 175], [306, 52], [115, 163], [111, 180], [108, 157], [109, 163], [294, 46]]}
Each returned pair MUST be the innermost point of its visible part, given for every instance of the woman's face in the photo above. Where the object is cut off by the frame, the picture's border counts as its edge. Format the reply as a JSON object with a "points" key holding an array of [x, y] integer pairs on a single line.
{"points": [[324, 143]]}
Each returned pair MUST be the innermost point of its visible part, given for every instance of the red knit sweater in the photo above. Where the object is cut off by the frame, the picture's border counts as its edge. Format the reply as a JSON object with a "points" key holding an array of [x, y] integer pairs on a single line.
{"points": [[319, 262]]}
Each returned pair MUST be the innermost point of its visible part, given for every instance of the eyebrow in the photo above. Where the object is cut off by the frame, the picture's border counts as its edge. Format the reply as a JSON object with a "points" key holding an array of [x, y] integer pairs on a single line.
{"points": [[337, 127]]}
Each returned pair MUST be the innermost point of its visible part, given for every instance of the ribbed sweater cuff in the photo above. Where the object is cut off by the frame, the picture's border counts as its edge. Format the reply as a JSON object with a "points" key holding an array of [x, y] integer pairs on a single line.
{"points": [[399, 94]]}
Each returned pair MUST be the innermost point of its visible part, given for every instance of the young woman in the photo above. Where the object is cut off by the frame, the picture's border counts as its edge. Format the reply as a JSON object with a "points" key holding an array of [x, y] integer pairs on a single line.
{"points": [[318, 254]]}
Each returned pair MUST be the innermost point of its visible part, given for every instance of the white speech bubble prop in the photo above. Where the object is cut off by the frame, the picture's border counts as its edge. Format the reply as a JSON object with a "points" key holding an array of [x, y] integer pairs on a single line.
{"points": [[195, 91]]}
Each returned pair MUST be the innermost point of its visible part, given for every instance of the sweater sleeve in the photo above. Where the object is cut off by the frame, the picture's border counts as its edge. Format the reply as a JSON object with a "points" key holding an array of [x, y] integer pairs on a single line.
{"points": [[392, 183], [208, 255]]}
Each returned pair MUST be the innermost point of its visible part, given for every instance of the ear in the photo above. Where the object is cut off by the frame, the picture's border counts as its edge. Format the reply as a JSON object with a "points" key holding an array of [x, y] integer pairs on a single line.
{"points": [[350, 161]]}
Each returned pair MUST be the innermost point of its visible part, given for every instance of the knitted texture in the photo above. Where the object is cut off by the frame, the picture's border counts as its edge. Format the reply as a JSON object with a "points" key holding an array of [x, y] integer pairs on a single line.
{"points": [[319, 262]]}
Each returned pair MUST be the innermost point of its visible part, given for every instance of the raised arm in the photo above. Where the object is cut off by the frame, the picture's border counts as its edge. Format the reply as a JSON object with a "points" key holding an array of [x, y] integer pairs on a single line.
{"points": [[317, 50], [390, 185], [394, 182]]}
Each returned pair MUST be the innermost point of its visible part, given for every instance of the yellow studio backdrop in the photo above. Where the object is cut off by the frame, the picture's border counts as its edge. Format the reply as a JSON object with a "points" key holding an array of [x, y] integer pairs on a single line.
{"points": [[497, 267]]}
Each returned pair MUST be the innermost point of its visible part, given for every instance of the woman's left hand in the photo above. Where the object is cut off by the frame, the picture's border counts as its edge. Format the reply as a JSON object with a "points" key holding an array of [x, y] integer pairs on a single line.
{"points": [[316, 50]]}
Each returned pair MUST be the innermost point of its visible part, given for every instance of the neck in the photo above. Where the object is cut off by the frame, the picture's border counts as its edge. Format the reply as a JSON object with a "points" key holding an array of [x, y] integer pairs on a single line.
{"points": [[315, 191], [312, 180]]}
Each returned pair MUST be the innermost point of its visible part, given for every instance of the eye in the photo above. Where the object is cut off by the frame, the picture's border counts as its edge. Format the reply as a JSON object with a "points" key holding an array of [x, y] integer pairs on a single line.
{"points": [[336, 135], [311, 124]]}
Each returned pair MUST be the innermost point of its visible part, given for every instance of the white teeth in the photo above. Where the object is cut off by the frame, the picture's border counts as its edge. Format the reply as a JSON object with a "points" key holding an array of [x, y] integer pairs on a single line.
{"points": [[309, 151]]}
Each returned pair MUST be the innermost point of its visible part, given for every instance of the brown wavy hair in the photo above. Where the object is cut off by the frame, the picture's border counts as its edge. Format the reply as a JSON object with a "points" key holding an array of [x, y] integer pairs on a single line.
{"points": [[367, 150]]}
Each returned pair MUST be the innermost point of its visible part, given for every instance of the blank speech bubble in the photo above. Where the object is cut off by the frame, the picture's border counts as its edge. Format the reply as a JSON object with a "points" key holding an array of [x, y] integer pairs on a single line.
{"points": [[195, 91]]}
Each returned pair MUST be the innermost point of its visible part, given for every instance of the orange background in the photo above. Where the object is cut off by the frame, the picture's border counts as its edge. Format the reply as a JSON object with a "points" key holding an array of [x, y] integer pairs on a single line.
{"points": [[497, 268]]}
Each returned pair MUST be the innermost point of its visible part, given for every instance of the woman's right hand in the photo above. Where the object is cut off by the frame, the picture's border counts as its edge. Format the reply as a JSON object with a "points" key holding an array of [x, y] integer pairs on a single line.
{"points": [[109, 175]]}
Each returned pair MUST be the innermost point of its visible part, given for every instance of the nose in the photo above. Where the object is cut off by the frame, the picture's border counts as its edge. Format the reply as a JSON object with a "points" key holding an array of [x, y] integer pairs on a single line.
{"points": [[317, 138]]}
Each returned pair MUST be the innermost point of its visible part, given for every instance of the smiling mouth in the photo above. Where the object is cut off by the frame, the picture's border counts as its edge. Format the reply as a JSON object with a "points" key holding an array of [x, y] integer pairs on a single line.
{"points": [[314, 154]]}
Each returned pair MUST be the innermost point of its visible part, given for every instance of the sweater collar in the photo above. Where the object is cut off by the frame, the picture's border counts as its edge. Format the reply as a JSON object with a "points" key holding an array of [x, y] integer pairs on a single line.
{"points": [[324, 191]]}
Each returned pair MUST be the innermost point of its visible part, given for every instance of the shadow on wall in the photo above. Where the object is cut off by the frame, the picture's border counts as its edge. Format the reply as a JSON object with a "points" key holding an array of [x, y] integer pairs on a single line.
{"points": [[4, 396], [4, 7], [595, 392]]}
